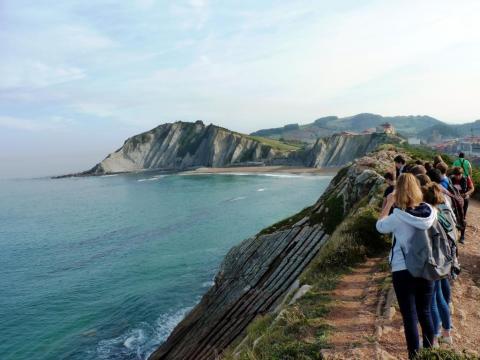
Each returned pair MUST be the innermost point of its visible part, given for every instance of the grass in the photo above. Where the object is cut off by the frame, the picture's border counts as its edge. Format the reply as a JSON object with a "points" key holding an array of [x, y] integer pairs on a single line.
{"points": [[275, 144], [331, 215], [441, 354]]}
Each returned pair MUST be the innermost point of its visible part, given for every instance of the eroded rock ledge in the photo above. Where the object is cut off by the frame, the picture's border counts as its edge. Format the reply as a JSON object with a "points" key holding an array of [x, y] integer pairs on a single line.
{"points": [[256, 274]]}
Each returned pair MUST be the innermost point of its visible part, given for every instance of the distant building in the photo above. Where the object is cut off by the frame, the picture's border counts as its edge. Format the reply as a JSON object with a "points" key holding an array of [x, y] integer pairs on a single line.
{"points": [[470, 146], [386, 128]]}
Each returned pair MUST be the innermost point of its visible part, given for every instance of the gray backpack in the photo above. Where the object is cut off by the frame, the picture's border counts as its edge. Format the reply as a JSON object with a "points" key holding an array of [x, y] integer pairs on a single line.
{"points": [[429, 253]]}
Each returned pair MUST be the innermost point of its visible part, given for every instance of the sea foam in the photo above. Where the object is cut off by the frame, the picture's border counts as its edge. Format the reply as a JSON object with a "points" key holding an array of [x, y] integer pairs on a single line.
{"points": [[141, 341]]}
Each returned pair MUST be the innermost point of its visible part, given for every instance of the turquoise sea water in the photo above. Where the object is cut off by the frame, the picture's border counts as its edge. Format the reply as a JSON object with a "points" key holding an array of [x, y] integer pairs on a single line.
{"points": [[104, 267]]}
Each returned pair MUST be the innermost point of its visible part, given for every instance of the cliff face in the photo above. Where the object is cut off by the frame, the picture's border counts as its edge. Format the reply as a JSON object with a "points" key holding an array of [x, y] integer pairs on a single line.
{"points": [[256, 274], [338, 149], [182, 145]]}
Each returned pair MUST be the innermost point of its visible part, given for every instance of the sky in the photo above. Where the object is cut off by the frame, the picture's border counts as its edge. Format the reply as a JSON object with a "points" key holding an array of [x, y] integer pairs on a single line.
{"points": [[79, 77]]}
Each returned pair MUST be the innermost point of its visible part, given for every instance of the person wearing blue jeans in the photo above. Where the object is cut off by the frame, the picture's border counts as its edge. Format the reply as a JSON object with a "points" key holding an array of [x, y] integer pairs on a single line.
{"points": [[414, 295], [433, 195], [441, 314], [446, 290]]}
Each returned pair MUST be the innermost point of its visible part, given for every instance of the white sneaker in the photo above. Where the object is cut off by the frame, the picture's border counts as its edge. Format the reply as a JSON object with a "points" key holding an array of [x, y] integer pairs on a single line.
{"points": [[446, 340]]}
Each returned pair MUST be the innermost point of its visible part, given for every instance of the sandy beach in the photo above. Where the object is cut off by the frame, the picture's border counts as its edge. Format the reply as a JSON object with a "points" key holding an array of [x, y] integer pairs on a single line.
{"points": [[263, 170]]}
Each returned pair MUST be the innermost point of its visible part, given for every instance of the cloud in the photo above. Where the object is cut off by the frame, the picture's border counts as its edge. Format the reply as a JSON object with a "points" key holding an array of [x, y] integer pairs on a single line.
{"points": [[35, 74], [54, 123], [191, 15], [145, 4], [99, 109], [198, 3]]}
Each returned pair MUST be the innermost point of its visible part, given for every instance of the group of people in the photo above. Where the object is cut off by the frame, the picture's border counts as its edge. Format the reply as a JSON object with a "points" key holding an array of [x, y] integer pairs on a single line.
{"points": [[418, 195]]}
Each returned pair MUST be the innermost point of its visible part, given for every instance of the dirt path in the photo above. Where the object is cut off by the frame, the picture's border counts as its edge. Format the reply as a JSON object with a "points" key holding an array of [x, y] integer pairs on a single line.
{"points": [[364, 316]]}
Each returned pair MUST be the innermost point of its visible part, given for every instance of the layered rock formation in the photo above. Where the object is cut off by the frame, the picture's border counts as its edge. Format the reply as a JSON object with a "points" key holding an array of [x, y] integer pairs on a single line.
{"points": [[256, 274], [337, 150], [182, 145]]}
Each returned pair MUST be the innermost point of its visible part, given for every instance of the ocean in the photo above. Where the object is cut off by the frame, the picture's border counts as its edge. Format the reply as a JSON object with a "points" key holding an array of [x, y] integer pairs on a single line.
{"points": [[105, 267]]}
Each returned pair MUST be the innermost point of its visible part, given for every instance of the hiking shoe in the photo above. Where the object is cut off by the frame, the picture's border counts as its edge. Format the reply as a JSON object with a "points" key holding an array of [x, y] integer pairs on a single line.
{"points": [[446, 340]]}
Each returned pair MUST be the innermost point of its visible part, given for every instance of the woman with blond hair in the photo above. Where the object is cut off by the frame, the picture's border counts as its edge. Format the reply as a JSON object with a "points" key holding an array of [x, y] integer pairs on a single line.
{"points": [[414, 295], [437, 160]]}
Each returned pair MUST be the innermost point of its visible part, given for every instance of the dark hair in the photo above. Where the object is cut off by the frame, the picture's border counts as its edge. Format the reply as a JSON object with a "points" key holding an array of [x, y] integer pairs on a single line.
{"points": [[432, 194], [461, 155], [423, 179], [418, 169], [428, 166], [419, 162], [435, 175], [408, 168], [389, 176], [399, 159], [457, 171], [442, 167]]}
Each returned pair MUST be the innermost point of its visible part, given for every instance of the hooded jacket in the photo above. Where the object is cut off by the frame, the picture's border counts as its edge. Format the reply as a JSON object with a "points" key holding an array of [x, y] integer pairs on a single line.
{"points": [[402, 223]]}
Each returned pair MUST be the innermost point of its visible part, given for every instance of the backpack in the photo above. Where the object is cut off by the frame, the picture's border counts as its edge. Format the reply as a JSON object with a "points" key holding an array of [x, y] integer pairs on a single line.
{"points": [[446, 218], [457, 205], [429, 253]]}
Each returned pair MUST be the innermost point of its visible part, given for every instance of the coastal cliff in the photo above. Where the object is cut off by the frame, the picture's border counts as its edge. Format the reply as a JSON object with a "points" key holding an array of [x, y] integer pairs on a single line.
{"points": [[339, 149], [256, 275], [183, 145]]}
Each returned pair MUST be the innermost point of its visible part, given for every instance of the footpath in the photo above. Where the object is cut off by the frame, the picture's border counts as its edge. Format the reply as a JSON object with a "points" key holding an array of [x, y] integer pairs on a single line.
{"points": [[365, 318]]}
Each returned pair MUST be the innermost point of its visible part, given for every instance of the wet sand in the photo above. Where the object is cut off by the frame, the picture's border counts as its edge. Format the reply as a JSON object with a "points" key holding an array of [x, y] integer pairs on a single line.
{"points": [[264, 170]]}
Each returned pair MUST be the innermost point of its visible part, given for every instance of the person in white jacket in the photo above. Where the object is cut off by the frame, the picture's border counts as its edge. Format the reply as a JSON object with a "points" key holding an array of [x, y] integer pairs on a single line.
{"points": [[414, 295]]}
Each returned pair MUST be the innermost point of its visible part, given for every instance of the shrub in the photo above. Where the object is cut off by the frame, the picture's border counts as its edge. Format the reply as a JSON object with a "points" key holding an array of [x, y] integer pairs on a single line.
{"points": [[441, 354]]}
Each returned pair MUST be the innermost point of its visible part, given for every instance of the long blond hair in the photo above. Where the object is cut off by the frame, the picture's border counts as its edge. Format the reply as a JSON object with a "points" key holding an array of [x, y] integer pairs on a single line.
{"points": [[407, 192]]}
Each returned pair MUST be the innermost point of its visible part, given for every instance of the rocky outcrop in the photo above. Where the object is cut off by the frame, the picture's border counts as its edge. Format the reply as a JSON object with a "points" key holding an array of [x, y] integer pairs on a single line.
{"points": [[183, 145], [339, 149], [256, 274]]}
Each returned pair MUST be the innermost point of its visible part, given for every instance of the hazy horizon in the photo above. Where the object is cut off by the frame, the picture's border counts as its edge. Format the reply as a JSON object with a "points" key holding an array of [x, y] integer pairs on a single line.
{"points": [[61, 164], [77, 79]]}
